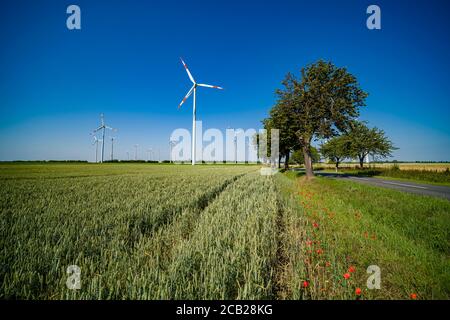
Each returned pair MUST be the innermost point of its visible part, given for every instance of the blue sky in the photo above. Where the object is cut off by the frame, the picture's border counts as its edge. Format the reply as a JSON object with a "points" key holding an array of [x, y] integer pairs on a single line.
{"points": [[124, 62]]}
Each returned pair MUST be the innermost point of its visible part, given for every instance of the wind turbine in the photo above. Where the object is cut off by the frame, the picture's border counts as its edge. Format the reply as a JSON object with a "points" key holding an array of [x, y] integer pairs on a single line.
{"points": [[135, 151], [149, 154], [194, 90], [112, 148], [103, 127], [172, 143], [96, 141]]}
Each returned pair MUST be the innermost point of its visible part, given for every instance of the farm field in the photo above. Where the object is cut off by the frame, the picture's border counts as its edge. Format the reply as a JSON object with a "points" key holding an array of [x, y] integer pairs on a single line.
{"points": [[438, 174], [142, 231], [438, 167]]}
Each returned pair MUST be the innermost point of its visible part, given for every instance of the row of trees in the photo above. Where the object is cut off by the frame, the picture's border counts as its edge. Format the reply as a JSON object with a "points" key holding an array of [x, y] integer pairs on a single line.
{"points": [[323, 104], [358, 143]]}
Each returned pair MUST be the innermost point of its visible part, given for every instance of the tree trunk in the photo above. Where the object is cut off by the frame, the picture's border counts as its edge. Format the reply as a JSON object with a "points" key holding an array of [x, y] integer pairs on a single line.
{"points": [[337, 166], [286, 161], [361, 162], [308, 162], [279, 161]]}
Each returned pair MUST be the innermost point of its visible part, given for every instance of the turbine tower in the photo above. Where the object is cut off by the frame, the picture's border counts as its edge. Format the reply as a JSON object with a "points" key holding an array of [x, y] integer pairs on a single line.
{"points": [[194, 90], [103, 127], [149, 154], [112, 148], [135, 151], [96, 141]]}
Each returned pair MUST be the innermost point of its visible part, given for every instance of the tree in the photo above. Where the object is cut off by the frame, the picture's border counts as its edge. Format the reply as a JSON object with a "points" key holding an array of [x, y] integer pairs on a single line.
{"points": [[323, 103], [299, 158], [280, 118], [336, 149], [364, 140]]}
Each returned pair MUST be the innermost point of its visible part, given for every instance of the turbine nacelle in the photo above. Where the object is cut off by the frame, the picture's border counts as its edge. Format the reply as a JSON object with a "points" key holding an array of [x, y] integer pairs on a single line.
{"points": [[195, 84]]}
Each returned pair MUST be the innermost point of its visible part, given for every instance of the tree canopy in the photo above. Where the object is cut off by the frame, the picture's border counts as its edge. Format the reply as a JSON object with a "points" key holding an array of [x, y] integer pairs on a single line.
{"points": [[336, 149], [364, 141], [321, 104]]}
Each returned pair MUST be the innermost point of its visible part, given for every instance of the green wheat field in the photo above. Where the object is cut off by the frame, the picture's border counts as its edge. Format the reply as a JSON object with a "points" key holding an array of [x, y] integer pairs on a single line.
{"points": [[153, 231]]}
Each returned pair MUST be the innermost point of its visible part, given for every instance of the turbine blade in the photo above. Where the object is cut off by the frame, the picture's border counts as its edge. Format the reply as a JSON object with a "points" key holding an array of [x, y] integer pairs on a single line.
{"points": [[187, 96], [188, 72], [209, 86]]}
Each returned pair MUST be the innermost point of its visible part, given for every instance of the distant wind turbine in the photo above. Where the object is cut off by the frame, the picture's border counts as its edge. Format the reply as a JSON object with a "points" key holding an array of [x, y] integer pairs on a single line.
{"points": [[112, 148], [135, 151], [103, 127], [96, 141], [149, 154], [193, 90]]}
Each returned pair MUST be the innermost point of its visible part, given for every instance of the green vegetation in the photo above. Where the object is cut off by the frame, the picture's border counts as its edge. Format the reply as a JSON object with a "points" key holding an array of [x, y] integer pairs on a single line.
{"points": [[358, 143], [134, 229], [420, 176], [142, 231], [323, 102], [335, 225]]}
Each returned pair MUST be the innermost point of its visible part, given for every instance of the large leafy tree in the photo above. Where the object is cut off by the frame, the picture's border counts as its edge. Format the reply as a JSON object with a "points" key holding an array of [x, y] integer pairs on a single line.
{"points": [[321, 104], [336, 149], [364, 140], [280, 118]]}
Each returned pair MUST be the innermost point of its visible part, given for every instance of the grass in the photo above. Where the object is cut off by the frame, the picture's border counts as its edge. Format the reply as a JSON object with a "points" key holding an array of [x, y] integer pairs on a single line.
{"points": [[436, 177], [439, 167], [131, 228], [339, 224], [142, 231]]}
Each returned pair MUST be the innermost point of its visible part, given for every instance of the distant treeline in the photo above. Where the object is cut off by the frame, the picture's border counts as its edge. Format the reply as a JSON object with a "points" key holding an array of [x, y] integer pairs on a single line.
{"points": [[168, 161], [396, 161]]}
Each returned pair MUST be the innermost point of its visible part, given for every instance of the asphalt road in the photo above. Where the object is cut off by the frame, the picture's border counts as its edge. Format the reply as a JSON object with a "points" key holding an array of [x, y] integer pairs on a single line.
{"points": [[412, 187]]}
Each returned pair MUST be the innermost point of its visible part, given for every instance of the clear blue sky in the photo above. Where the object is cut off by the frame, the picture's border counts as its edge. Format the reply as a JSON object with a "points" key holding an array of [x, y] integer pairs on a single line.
{"points": [[124, 62]]}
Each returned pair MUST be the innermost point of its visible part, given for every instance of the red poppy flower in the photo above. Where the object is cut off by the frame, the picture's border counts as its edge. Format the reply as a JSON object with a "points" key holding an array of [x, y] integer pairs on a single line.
{"points": [[351, 269], [413, 296], [358, 291], [305, 284], [315, 225], [346, 275], [327, 264], [319, 251]]}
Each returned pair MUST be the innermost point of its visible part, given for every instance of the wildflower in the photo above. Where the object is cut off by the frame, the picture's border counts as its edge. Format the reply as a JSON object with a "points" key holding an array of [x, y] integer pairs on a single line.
{"points": [[315, 225], [327, 264], [319, 251], [305, 284], [358, 291], [413, 296], [351, 269], [346, 276]]}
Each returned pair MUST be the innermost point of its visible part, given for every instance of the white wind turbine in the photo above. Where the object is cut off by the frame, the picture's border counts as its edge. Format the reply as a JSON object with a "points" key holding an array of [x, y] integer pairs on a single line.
{"points": [[193, 90], [103, 127], [96, 141], [112, 147]]}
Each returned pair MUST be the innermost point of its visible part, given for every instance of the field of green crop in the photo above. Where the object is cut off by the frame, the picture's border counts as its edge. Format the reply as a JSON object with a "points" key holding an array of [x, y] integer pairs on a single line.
{"points": [[142, 231]]}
